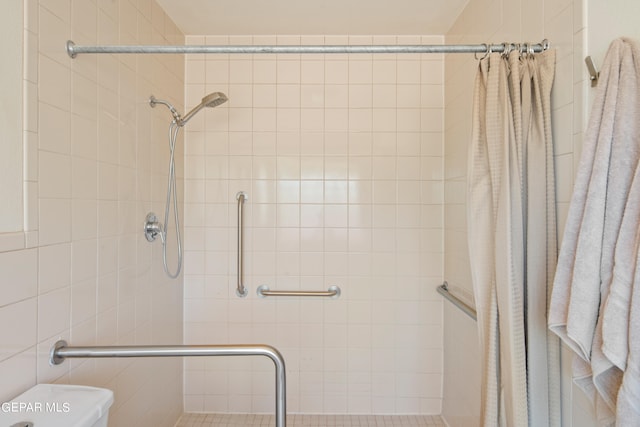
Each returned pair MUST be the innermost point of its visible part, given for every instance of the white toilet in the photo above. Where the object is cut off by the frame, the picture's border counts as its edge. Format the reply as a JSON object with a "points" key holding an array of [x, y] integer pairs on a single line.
{"points": [[58, 405]]}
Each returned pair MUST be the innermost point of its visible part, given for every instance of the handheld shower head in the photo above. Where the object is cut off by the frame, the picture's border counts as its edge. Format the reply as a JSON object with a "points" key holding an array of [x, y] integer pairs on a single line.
{"points": [[212, 100]]}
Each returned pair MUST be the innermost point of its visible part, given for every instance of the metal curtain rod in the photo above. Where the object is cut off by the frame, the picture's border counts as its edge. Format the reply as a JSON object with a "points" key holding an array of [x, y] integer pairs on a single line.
{"points": [[73, 50], [61, 351]]}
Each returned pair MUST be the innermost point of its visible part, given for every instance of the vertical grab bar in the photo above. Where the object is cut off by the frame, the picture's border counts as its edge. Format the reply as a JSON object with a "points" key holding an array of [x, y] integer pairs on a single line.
{"points": [[241, 291]]}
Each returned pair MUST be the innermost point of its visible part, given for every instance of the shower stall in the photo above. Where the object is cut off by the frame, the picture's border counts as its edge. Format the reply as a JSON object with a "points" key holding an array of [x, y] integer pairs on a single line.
{"points": [[353, 168]]}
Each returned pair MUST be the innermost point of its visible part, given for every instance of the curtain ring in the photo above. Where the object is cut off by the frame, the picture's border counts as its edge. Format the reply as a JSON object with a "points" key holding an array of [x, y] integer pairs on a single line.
{"points": [[507, 48], [530, 49], [487, 51]]}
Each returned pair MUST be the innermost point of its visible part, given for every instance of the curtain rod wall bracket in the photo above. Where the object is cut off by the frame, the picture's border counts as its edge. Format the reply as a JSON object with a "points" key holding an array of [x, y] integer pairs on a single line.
{"points": [[70, 49]]}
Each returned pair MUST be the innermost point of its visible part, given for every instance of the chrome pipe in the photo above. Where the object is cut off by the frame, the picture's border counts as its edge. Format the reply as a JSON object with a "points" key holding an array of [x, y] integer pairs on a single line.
{"points": [[332, 292], [466, 308], [73, 50], [241, 290], [61, 351]]}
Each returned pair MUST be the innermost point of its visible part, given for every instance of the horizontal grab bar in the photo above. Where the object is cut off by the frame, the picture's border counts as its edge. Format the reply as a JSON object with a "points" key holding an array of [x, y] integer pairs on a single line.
{"points": [[61, 351], [468, 310], [332, 292]]}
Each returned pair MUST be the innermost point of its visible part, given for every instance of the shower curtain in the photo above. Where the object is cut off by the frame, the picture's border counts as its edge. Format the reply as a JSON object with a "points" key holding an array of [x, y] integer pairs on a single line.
{"points": [[511, 218]]}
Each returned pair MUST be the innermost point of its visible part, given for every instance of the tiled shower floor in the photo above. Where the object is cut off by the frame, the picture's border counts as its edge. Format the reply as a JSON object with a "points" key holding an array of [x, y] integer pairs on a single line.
{"points": [[296, 420]]}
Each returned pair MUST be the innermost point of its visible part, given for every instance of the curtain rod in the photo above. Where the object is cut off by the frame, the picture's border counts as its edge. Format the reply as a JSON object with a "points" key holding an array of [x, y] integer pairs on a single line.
{"points": [[73, 50]]}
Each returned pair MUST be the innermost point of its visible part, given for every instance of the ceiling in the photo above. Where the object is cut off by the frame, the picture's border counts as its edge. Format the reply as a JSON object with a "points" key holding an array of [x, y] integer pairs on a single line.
{"points": [[321, 17]]}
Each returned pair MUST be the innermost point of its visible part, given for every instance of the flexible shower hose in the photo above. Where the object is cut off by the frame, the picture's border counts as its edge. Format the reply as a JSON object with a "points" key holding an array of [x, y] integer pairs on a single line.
{"points": [[171, 189]]}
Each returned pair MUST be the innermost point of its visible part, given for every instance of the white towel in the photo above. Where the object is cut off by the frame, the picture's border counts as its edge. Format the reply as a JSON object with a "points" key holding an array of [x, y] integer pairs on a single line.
{"points": [[610, 351], [621, 324], [586, 262], [628, 414]]}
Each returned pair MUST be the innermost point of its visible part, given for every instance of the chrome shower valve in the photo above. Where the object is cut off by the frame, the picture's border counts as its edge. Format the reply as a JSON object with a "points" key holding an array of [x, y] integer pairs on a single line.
{"points": [[152, 227]]}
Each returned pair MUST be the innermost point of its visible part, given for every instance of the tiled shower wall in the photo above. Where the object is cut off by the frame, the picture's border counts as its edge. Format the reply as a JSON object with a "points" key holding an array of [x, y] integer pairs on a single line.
{"points": [[341, 158], [96, 163]]}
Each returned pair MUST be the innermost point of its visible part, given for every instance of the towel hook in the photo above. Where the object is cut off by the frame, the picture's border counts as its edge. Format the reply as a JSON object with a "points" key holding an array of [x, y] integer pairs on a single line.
{"points": [[594, 75]]}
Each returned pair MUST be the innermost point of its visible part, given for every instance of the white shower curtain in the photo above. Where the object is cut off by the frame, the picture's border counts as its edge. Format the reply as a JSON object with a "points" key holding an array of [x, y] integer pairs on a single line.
{"points": [[512, 238]]}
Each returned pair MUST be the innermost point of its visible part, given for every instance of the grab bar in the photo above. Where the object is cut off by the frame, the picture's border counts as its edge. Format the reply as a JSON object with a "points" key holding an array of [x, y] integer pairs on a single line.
{"points": [[468, 310], [241, 291], [332, 292], [60, 351]]}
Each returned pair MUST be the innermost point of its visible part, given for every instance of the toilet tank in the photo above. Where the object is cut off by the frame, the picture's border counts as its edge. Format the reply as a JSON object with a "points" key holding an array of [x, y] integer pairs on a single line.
{"points": [[58, 405]]}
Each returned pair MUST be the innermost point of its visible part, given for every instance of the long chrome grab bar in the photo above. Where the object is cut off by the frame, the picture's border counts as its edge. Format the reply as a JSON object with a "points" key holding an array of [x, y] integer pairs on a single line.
{"points": [[264, 291], [468, 310], [241, 291], [60, 351]]}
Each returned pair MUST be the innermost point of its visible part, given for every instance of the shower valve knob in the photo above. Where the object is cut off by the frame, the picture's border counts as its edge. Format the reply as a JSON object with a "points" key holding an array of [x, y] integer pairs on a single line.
{"points": [[152, 227]]}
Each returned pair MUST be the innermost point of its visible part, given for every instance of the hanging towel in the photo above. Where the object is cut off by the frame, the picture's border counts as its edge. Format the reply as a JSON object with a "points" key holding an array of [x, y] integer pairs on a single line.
{"points": [[628, 414], [591, 241], [616, 311], [615, 318], [619, 205], [621, 325], [610, 349]]}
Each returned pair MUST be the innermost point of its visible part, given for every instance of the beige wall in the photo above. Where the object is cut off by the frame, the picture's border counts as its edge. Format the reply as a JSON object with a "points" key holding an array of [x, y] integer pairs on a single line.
{"points": [[341, 157], [484, 21], [88, 275], [11, 191]]}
